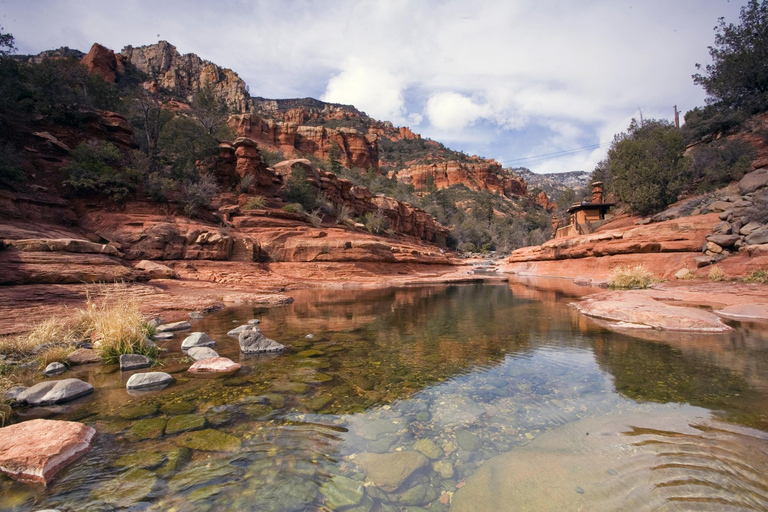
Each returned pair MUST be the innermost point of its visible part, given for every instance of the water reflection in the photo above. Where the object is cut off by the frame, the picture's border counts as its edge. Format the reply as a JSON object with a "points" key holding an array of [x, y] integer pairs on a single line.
{"points": [[460, 374]]}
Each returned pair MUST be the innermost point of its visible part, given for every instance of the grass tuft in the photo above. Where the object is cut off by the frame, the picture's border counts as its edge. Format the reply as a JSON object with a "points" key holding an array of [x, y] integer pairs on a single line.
{"points": [[255, 203], [716, 273], [757, 276], [631, 277]]}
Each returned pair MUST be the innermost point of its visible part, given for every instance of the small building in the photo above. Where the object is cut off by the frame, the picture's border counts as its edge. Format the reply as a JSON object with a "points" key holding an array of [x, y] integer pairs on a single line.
{"points": [[583, 217]]}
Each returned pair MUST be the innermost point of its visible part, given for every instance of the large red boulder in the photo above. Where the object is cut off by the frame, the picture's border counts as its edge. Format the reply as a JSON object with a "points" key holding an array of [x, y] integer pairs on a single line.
{"points": [[34, 451]]}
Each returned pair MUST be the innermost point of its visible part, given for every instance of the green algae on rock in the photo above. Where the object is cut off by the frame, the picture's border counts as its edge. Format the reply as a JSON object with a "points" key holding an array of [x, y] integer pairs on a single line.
{"points": [[150, 428], [127, 489], [209, 440], [142, 460], [184, 423]]}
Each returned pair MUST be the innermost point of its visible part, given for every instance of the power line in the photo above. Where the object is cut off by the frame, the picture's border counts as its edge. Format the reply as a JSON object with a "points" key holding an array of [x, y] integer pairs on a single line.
{"points": [[556, 154]]}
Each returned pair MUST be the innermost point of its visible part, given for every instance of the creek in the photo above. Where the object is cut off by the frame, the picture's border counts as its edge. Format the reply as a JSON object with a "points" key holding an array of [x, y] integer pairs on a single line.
{"points": [[449, 397]]}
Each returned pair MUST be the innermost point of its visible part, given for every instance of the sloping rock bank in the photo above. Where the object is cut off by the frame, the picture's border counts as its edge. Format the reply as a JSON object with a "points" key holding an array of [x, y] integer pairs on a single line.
{"points": [[634, 309], [625, 462]]}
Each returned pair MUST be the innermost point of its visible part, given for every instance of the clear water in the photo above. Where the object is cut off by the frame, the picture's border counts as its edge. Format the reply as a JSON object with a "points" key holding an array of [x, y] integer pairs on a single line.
{"points": [[479, 371]]}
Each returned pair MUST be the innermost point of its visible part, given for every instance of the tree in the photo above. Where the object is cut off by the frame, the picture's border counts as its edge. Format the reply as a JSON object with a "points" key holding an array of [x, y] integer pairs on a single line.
{"points": [[183, 142], [646, 165], [148, 118], [209, 109], [7, 44], [738, 75]]}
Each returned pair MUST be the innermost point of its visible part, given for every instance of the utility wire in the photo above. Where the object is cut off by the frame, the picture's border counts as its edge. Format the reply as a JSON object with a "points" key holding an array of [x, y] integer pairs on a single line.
{"points": [[556, 154]]}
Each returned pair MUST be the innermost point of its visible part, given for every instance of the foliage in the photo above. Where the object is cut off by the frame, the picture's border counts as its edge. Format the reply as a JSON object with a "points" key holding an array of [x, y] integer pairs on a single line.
{"points": [[631, 277], [7, 44], [96, 169], [55, 354], [299, 190], [324, 204], [10, 166], [343, 213], [334, 154], [315, 218], [211, 111], [718, 163], [158, 186], [757, 276], [245, 183], [646, 165], [375, 222], [271, 157], [738, 75], [293, 208], [183, 142], [147, 117], [197, 194], [255, 203], [400, 153], [709, 120]]}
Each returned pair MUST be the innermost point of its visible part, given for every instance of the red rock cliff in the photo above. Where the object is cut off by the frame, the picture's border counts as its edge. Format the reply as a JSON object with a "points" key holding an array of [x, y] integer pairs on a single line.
{"points": [[487, 175]]}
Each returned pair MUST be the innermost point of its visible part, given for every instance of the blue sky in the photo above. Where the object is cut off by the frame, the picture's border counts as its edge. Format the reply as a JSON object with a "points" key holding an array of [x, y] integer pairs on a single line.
{"points": [[504, 79]]}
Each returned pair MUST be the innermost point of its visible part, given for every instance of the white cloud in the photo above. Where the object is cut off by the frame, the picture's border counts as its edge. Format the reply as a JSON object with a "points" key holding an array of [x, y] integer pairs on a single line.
{"points": [[370, 88], [452, 111]]}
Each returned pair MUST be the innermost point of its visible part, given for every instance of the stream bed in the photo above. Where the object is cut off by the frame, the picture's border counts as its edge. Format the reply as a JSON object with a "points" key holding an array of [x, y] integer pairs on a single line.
{"points": [[451, 397]]}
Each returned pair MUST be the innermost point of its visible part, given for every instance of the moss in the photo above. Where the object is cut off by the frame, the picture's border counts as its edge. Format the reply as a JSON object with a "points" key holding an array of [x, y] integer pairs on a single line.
{"points": [[209, 440], [143, 460], [176, 408], [127, 489], [175, 460], [184, 423], [139, 411], [150, 428]]}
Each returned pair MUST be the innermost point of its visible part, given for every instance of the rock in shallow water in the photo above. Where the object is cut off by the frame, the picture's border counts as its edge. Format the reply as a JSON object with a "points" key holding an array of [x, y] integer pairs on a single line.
{"points": [[174, 326], [253, 342], [134, 362], [209, 440], [55, 368], [389, 470], [148, 380], [34, 451], [198, 353], [214, 365], [242, 328], [197, 339], [55, 392], [83, 356]]}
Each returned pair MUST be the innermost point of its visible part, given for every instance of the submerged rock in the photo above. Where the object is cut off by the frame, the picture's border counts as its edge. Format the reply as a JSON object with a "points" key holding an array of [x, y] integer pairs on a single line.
{"points": [[253, 342], [34, 451], [148, 380], [389, 470], [54, 392], [150, 428], [209, 440], [197, 339], [428, 448], [127, 489], [341, 492], [184, 423]]}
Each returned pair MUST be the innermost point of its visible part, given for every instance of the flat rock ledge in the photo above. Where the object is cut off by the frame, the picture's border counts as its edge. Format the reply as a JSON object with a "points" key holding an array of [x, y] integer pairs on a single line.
{"points": [[54, 392], [745, 312], [34, 451], [635, 309], [149, 380], [214, 365]]}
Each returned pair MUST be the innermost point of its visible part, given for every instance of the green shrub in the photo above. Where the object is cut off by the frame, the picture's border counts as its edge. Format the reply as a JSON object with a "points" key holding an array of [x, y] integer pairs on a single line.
{"points": [[94, 170], [271, 157], [293, 208], [158, 186], [299, 190], [376, 223], [343, 213], [757, 276], [197, 195], [255, 203], [716, 164], [11, 173], [245, 183]]}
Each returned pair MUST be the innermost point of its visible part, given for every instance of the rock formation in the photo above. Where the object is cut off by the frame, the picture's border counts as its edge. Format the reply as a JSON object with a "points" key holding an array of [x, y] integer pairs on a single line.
{"points": [[486, 175]]}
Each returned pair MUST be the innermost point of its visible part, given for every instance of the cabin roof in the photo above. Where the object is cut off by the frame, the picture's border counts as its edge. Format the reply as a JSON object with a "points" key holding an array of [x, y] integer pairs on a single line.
{"points": [[590, 206]]}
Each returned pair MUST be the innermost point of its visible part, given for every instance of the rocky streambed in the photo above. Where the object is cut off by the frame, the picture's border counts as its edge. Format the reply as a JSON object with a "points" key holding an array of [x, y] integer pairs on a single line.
{"points": [[411, 399]]}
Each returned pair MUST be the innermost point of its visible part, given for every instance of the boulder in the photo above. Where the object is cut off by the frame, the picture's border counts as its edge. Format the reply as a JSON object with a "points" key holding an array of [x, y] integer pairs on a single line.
{"points": [[148, 380], [724, 240], [54, 392], [253, 342], [758, 236], [83, 356], [753, 181], [683, 273], [54, 368], [174, 326], [34, 451], [198, 353], [582, 281], [134, 362], [214, 365], [197, 339], [748, 228], [156, 270], [162, 336], [242, 328]]}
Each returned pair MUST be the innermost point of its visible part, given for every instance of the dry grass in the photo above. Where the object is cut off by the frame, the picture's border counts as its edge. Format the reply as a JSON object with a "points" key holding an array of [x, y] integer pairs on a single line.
{"points": [[55, 353], [756, 276], [5, 409], [631, 277], [114, 325], [716, 273]]}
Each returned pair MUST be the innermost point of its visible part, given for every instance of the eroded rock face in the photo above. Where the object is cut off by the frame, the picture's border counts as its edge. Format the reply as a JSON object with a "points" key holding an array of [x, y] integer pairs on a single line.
{"points": [[186, 74], [486, 175], [34, 451], [102, 60]]}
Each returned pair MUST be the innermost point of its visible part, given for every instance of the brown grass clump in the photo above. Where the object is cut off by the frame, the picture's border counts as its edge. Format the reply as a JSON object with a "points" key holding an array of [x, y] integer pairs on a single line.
{"points": [[114, 325], [757, 276], [54, 354], [626, 277], [5, 408], [716, 273]]}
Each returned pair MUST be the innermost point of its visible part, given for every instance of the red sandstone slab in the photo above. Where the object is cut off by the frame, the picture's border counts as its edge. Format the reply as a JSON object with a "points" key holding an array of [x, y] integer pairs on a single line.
{"points": [[214, 365], [34, 451]]}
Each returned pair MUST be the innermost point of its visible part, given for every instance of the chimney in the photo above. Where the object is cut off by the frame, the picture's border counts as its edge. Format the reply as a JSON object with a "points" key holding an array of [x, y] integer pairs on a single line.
{"points": [[597, 192]]}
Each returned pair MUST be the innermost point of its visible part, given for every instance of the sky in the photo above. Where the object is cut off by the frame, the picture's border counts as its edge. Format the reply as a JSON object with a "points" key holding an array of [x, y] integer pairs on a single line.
{"points": [[521, 81]]}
